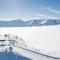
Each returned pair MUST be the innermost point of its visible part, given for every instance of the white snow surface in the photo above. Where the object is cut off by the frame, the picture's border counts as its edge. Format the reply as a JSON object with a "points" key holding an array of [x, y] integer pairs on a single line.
{"points": [[46, 38]]}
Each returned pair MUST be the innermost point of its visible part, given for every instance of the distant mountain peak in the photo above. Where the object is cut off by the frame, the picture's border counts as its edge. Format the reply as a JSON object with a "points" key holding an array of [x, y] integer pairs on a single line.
{"points": [[29, 23]]}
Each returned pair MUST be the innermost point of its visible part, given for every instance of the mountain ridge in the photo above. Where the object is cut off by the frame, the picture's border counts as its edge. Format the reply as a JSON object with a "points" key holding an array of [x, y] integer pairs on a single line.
{"points": [[29, 23]]}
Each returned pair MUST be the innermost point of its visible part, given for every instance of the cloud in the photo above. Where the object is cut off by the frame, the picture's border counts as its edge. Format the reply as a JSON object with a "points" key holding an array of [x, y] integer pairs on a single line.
{"points": [[53, 10], [50, 13], [41, 16]]}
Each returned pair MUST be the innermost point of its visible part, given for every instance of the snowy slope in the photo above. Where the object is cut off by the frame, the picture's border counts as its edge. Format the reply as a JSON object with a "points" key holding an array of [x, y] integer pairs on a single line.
{"points": [[20, 48], [37, 35], [45, 40]]}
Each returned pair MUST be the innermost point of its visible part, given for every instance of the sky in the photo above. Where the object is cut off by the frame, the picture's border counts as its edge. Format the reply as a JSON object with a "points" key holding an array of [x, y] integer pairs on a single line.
{"points": [[28, 9]]}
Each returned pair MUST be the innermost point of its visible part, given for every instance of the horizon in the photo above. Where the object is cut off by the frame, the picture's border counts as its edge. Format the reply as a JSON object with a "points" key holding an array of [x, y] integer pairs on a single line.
{"points": [[29, 19]]}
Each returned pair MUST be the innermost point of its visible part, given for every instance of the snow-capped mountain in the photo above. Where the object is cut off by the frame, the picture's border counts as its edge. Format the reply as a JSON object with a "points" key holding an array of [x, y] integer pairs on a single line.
{"points": [[32, 22]]}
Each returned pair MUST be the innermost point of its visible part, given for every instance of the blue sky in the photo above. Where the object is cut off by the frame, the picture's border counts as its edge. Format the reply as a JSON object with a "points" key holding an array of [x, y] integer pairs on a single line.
{"points": [[27, 9]]}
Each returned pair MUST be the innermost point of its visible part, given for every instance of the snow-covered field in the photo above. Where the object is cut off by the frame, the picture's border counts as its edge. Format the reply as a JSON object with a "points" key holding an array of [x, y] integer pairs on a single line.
{"points": [[42, 38]]}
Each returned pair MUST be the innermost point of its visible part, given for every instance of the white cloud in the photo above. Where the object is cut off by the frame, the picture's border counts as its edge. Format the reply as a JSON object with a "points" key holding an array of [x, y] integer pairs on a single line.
{"points": [[40, 16], [53, 10]]}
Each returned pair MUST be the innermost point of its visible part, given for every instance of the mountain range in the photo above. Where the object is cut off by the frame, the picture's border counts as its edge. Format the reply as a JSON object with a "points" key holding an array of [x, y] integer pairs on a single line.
{"points": [[29, 23]]}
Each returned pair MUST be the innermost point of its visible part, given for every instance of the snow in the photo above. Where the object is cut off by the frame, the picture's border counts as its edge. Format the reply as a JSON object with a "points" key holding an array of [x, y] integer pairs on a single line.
{"points": [[46, 38], [31, 55]]}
